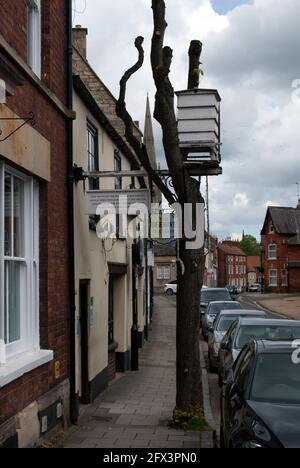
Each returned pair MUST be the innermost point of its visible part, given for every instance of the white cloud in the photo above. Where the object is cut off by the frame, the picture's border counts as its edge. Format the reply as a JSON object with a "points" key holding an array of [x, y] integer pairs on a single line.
{"points": [[250, 55], [241, 200]]}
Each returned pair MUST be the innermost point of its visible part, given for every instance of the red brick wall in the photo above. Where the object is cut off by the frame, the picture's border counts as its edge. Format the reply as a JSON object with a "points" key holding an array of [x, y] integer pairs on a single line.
{"points": [[285, 253], [53, 205], [224, 276], [13, 14]]}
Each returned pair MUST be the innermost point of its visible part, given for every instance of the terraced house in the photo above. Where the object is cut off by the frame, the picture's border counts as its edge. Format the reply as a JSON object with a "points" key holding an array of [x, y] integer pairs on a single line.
{"points": [[35, 118], [112, 276]]}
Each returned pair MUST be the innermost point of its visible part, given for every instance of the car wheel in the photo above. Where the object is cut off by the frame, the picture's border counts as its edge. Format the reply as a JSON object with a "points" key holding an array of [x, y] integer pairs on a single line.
{"points": [[170, 292]]}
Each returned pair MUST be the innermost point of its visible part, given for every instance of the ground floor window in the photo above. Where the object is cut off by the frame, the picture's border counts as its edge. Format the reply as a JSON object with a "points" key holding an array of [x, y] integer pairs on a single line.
{"points": [[19, 255], [163, 273], [273, 278]]}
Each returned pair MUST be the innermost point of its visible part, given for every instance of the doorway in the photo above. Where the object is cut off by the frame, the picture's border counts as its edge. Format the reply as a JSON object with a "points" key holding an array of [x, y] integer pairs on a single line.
{"points": [[84, 298]]}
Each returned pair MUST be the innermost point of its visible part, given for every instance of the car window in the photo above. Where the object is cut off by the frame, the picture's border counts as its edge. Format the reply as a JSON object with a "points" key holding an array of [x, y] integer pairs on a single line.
{"points": [[270, 333], [214, 296], [224, 323], [233, 330], [243, 371], [276, 380], [217, 308]]}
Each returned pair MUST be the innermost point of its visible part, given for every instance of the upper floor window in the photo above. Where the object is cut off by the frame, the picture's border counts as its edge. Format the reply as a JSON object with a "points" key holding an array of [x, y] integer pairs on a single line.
{"points": [[272, 251], [34, 36], [118, 168], [271, 229], [19, 262], [93, 154]]}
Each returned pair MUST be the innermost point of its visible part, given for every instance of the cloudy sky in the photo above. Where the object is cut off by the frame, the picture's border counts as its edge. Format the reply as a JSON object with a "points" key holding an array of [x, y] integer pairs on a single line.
{"points": [[251, 55]]}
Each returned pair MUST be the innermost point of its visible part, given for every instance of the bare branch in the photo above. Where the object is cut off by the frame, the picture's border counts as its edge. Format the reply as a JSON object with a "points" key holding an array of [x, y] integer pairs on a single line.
{"points": [[161, 60], [123, 114], [195, 51]]}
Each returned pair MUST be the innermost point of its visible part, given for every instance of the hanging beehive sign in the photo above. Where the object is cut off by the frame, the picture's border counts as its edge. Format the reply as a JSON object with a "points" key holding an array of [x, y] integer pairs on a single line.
{"points": [[199, 121]]}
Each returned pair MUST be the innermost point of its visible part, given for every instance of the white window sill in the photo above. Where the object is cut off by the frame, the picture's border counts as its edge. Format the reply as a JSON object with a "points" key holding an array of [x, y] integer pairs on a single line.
{"points": [[20, 366]]}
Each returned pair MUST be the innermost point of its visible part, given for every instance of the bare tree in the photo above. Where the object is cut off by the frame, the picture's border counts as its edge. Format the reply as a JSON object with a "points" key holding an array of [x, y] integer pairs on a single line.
{"points": [[187, 191]]}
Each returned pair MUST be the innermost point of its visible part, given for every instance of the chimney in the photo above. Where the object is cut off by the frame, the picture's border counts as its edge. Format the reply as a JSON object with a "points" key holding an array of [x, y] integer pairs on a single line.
{"points": [[79, 39], [298, 206]]}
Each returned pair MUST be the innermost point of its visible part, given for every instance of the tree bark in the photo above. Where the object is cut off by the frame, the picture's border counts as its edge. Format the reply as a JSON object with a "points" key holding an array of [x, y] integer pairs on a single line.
{"points": [[191, 264], [194, 72]]}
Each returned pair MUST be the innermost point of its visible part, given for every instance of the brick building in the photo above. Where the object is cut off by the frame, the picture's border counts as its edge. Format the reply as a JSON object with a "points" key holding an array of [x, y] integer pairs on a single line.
{"points": [[165, 264], [281, 249], [253, 270], [34, 309], [232, 265]]}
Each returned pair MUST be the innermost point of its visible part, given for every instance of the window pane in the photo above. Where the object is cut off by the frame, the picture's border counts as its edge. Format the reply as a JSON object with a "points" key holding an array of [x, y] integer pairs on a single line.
{"points": [[8, 216], [18, 218], [12, 294]]}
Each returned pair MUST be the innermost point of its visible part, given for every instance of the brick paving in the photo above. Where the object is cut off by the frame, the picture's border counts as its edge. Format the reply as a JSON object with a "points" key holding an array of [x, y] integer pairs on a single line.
{"points": [[134, 411]]}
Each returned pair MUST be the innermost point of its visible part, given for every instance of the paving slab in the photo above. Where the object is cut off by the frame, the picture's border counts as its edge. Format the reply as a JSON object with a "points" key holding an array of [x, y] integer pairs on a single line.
{"points": [[134, 411]]}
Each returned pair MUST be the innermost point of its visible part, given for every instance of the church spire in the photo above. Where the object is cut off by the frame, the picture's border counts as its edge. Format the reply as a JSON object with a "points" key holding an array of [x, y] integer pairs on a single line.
{"points": [[150, 145], [149, 135]]}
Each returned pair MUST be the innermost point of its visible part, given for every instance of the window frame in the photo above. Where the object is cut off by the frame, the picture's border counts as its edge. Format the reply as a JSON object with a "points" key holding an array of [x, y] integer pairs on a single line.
{"points": [[34, 36], [270, 257], [91, 130], [118, 168], [29, 287], [273, 285], [163, 276]]}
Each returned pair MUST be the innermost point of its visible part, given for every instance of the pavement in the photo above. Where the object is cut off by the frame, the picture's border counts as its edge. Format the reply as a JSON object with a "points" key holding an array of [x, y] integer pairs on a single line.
{"points": [[279, 304], [134, 411]]}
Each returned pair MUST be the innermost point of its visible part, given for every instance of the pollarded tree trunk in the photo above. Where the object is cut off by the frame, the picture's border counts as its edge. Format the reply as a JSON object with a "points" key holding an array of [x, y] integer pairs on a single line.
{"points": [[187, 190]]}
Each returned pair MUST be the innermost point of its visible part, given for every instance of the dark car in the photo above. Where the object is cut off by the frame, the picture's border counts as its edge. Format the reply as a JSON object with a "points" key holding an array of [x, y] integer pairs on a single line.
{"points": [[260, 405], [233, 290], [221, 327], [212, 312], [213, 295], [245, 330]]}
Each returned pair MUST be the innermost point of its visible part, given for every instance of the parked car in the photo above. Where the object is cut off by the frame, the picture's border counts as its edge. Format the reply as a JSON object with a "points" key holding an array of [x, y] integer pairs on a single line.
{"points": [[212, 312], [171, 288], [260, 405], [233, 290], [212, 295], [220, 328], [256, 287], [244, 330]]}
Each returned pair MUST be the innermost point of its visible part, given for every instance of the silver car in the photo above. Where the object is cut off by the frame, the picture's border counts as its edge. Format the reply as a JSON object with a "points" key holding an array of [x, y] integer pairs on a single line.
{"points": [[219, 329], [244, 330]]}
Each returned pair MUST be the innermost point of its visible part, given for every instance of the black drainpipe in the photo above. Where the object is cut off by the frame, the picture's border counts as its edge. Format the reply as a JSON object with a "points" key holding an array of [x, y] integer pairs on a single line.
{"points": [[74, 407]]}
